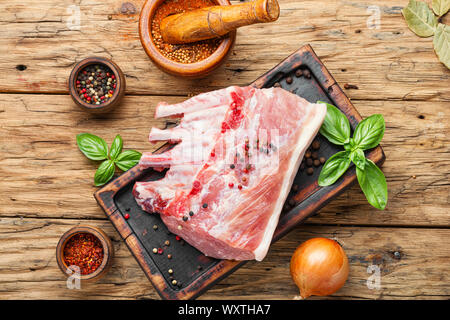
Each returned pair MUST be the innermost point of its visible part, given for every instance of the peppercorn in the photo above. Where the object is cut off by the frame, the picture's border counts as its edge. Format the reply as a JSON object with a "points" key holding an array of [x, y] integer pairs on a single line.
{"points": [[185, 218], [155, 250], [170, 271], [126, 216], [155, 227], [205, 205], [90, 87], [174, 282], [191, 213], [169, 256], [308, 154], [298, 73], [289, 80], [315, 145], [316, 163], [309, 162], [307, 74], [180, 227], [232, 166], [277, 85], [315, 155], [310, 171], [322, 160], [167, 243]]}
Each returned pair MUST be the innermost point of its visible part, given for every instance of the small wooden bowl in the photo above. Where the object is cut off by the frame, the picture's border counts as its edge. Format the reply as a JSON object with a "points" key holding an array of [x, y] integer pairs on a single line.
{"points": [[117, 95], [108, 252], [191, 70]]}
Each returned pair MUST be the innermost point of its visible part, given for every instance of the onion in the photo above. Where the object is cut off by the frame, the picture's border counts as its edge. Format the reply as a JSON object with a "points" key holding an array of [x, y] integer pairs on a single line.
{"points": [[319, 267]]}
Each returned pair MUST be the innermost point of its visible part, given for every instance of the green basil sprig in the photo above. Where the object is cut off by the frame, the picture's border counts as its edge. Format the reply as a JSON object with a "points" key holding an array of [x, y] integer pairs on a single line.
{"points": [[95, 148], [367, 135]]}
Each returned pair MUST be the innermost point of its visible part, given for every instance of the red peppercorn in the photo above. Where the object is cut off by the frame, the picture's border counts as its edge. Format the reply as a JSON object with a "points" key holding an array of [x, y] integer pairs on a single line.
{"points": [[88, 98], [177, 238], [114, 85], [86, 95], [231, 184], [239, 187], [127, 216], [113, 77], [160, 250], [213, 154], [84, 90]]}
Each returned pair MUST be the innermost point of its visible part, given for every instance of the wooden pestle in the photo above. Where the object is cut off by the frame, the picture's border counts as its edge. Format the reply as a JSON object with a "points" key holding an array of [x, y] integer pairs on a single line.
{"points": [[216, 21]]}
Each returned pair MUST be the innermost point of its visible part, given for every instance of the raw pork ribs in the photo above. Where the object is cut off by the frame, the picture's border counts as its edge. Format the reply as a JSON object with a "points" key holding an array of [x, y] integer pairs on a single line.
{"points": [[237, 152]]}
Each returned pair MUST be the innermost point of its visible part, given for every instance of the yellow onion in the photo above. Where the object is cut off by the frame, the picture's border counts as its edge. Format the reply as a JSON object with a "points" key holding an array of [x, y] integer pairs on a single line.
{"points": [[319, 267]]}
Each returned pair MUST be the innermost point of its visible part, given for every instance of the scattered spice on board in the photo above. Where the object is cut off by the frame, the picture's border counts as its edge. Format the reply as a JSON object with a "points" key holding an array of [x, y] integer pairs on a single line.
{"points": [[85, 251], [96, 84], [183, 53]]}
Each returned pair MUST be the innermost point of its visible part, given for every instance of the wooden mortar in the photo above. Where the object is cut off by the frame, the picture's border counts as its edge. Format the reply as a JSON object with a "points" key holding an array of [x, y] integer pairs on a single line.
{"points": [[190, 70]]}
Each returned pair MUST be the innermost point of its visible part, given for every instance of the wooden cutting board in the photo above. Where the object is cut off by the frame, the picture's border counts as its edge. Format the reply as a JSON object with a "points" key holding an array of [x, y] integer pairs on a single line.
{"points": [[194, 272]]}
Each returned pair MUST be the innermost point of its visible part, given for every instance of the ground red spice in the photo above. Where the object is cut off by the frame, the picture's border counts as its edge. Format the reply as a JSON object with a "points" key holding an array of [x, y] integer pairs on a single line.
{"points": [[184, 53], [85, 251]]}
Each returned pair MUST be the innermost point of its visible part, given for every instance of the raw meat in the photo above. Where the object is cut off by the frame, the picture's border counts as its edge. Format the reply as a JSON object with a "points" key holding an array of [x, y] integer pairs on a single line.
{"points": [[237, 152]]}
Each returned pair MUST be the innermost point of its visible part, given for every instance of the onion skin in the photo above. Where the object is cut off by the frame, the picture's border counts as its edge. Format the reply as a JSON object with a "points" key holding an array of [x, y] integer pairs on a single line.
{"points": [[319, 267]]}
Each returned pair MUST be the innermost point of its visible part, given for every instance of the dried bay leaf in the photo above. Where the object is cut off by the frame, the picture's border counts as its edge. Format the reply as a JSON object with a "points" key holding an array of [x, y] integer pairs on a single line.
{"points": [[440, 7], [441, 44], [420, 18]]}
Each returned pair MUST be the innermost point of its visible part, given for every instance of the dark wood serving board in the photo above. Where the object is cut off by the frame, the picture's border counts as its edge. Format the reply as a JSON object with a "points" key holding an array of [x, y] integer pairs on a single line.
{"points": [[194, 272]]}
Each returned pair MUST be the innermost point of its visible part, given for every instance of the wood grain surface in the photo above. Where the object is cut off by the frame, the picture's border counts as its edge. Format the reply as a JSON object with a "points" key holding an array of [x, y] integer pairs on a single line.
{"points": [[47, 184]]}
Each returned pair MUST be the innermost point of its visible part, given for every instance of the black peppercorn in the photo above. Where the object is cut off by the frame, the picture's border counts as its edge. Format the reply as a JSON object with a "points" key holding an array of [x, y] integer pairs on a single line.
{"points": [[309, 162], [289, 80], [298, 73], [316, 145], [191, 213], [205, 205], [310, 171]]}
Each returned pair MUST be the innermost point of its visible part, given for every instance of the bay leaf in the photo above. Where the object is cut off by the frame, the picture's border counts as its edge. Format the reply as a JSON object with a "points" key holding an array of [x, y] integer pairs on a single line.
{"points": [[440, 7], [441, 43], [420, 18]]}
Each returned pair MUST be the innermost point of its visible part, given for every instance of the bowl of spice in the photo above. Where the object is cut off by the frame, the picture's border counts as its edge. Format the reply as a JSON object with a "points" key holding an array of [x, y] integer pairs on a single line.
{"points": [[97, 84], [87, 250], [193, 60]]}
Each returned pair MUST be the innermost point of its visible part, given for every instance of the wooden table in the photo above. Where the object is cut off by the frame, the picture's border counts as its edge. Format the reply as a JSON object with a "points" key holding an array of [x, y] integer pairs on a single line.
{"points": [[47, 184]]}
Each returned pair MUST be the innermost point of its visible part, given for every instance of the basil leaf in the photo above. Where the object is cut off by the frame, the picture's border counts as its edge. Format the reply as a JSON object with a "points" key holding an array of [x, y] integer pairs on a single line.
{"points": [[104, 172], [93, 147], [420, 18], [128, 159], [335, 127], [440, 7], [369, 132], [358, 158], [116, 147], [441, 43], [334, 168], [373, 184]]}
